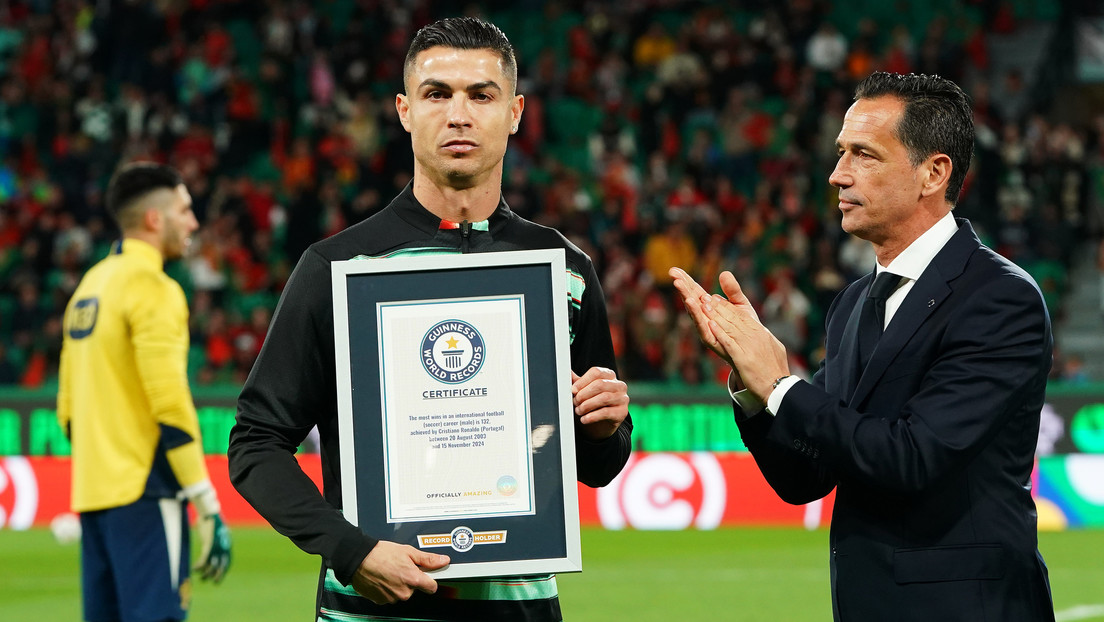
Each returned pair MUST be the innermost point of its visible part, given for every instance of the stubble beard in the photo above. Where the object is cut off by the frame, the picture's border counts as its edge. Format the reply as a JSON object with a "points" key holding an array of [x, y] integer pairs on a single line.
{"points": [[174, 245], [456, 173]]}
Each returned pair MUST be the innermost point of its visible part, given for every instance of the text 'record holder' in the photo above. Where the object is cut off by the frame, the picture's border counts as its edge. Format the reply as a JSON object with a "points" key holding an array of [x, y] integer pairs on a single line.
{"points": [[455, 414]]}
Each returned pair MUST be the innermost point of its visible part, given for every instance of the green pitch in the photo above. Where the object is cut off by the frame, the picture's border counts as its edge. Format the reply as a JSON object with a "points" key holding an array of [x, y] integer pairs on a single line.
{"points": [[747, 575]]}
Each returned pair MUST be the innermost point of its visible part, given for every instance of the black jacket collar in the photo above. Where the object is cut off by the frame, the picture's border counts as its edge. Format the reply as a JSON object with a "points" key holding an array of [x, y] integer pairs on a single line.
{"points": [[408, 208]]}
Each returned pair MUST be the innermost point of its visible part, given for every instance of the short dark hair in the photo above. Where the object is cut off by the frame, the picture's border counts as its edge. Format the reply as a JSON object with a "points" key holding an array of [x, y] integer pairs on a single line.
{"points": [[463, 33], [134, 181], [938, 118]]}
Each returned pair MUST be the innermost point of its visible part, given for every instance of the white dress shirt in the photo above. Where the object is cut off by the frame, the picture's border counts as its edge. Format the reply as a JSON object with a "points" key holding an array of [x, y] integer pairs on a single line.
{"points": [[910, 264]]}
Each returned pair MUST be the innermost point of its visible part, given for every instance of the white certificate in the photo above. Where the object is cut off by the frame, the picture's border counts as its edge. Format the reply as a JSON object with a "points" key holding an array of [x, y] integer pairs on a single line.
{"points": [[455, 416], [456, 421]]}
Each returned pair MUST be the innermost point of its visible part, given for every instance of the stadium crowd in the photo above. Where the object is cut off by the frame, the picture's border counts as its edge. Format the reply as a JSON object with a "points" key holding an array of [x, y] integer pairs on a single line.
{"points": [[656, 133]]}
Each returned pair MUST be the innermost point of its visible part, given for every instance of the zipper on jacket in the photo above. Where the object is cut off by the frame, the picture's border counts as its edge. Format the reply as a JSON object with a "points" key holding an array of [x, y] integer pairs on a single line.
{"points": [[465, 235]]}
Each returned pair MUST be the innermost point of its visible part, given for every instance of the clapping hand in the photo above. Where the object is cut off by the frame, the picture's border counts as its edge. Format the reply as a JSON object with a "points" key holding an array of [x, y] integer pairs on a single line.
{"points": [[730, 327]]}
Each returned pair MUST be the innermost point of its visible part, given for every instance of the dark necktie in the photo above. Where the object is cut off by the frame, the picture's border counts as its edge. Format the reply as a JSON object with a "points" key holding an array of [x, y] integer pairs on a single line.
{"points": [[872, 316]]}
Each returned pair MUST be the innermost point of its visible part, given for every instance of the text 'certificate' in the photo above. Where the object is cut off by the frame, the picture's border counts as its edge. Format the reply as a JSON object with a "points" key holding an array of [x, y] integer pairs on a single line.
{"points": [[455, 411]]}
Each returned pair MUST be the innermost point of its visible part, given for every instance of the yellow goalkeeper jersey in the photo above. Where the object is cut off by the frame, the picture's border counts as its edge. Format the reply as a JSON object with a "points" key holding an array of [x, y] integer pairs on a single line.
{"points": [[123, 393]]}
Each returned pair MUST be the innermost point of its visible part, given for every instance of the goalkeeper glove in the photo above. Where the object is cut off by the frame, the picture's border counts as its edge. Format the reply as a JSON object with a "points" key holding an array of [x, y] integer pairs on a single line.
{"points": [[214, 535]]}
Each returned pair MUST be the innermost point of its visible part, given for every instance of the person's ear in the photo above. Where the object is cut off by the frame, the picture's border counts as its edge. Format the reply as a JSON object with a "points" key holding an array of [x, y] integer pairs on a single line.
{"points": [[937, 171], [402, 106], [152, 219], [515, 112]]}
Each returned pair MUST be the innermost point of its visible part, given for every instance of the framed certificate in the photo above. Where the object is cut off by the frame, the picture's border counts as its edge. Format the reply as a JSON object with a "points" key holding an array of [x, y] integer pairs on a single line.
{"points": [[454, 408]]}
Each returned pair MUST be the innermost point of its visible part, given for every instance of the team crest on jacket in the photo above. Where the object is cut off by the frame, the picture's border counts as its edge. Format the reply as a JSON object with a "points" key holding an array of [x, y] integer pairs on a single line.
{"points": [[452, 351]]}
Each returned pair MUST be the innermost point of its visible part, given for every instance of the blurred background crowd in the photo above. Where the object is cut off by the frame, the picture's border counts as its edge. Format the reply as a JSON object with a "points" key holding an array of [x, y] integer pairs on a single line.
{"points": [[655, 133]]}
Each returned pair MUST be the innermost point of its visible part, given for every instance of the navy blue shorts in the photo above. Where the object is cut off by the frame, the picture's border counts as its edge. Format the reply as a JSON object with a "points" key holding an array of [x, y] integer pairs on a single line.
{"points": [[135, 562]]}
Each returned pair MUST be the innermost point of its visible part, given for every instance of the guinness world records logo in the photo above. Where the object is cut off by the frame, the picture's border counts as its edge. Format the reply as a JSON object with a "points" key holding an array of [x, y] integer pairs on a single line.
{"points": [[462, 539], [452, 351]]}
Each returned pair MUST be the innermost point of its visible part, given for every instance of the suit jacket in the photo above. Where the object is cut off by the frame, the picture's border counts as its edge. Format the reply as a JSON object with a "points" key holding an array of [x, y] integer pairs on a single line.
{"points": [[930, 448]]}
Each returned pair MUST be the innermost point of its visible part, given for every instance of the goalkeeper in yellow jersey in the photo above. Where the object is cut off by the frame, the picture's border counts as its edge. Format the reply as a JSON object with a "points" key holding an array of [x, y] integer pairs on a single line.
{"points": [[124, 401]]}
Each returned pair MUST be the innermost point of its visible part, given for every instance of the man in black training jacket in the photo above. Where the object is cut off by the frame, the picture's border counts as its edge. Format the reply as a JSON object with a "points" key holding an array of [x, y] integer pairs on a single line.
{"points": [[460, 108]]}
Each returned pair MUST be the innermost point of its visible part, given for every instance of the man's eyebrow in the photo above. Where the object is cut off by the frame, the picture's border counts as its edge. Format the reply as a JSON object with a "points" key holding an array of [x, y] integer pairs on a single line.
{"points": [[855, 146], [478, 86], [437, 84], [482, 86]]}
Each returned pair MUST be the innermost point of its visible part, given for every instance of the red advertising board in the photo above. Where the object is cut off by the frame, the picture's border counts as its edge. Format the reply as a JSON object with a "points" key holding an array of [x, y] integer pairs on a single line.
{"points": [[655, 491], [694, 490], [699, 490]]}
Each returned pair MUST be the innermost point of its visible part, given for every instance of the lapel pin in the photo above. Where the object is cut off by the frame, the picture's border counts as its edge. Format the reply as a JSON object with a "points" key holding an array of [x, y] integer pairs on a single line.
{"points": [[931, 303]]}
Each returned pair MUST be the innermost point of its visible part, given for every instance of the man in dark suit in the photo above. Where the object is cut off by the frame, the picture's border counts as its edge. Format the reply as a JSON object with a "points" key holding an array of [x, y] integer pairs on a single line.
{"points": [[927, 430]]}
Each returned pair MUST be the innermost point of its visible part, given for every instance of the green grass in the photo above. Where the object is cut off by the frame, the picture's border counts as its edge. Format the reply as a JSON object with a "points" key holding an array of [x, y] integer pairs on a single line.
{"points": [[749, 575], [734, 574], [269, 579]]}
